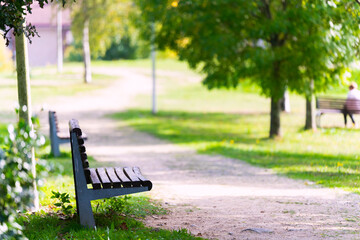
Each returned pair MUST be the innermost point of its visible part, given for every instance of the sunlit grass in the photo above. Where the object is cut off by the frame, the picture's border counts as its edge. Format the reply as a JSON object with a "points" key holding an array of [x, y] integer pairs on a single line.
{"points": [[235, 123], [118, 218], [161, 64], [329, 157]]}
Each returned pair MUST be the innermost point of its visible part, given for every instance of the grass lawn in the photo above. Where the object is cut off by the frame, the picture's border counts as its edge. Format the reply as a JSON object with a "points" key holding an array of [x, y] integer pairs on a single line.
{"points": [[116, 218], [46, 83], [235, 124], [161, 64]]}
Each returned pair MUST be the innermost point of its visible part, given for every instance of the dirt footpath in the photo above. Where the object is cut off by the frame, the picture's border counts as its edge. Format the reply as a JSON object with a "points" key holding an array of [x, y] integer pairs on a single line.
{"points": [[211, 196]]}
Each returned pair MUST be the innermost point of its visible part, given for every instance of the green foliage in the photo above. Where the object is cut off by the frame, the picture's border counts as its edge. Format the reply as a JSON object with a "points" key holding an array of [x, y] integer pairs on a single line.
{"points": [[277, 44], [11, 16], [125, 47], [63, 202], [138, 207], [269, 42], [105, 22], [74, 52], [16, 173], [6, 63]]}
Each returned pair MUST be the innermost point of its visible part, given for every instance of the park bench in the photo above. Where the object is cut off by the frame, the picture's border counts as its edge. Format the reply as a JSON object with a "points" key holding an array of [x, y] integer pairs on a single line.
{"points": [[57, 137], [335, 105], [103, 182]]}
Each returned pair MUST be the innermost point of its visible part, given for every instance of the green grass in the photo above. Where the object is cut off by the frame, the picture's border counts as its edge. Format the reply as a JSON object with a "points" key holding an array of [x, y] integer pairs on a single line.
{"points": [[235, 123], [329, 157], [47, 84], [3, 129], [116, 218], [161, 64]]}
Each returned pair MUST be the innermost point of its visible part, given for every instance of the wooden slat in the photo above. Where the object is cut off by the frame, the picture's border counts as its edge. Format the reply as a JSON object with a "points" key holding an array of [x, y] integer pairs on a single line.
{"points": [[115, 181], [94, 179], [125, 181], [145, 182], [104, 179], [83, 156], [85, 164], [132, 176], [81, 141], [82, 149]]}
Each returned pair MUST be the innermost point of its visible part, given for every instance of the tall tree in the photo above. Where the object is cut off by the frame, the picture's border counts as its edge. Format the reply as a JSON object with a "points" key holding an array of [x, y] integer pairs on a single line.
{"points": [[233, 40], [326, 48], [94, 23]]}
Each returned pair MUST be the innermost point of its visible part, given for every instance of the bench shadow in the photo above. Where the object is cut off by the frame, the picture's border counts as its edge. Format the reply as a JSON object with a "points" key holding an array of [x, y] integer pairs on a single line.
{"points": [[188, 127]]}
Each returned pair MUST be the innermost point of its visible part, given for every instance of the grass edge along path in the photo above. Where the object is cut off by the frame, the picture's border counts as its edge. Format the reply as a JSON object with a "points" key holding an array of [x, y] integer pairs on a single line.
{"points": [[300, 154]]}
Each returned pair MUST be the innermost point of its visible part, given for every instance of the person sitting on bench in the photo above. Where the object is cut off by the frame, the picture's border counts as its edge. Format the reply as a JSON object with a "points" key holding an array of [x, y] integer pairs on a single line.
{"points": [[353, 94]]}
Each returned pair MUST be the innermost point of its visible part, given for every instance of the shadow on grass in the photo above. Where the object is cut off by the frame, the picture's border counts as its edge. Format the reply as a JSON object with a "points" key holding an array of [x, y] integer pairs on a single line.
{"points": [[320, 168], [189, 127], [243, 137]]}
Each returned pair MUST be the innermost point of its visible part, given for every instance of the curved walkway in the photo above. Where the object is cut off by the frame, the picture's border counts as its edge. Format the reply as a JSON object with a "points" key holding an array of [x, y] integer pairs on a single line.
{"points": [[211, 196]]}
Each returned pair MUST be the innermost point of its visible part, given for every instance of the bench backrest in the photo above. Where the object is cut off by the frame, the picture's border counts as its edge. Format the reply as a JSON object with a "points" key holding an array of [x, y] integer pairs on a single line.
{"points": [[350, 105], [330, 103], [53, 121], [100, 177], [78, 150]]}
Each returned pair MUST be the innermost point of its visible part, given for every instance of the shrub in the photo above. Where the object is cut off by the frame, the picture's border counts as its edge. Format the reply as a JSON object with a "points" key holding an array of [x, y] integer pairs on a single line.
{"points": [[17, 179]]}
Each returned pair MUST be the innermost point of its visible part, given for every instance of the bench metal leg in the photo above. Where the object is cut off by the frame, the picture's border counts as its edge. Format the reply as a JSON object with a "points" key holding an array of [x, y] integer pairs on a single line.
{"points": [[85, 212], [318, 116], [55, 149]]}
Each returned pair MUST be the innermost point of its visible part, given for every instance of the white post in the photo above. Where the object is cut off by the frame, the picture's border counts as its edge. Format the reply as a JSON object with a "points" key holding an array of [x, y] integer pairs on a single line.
{"points": [[287, 102], [59, 39], [153, 57]]}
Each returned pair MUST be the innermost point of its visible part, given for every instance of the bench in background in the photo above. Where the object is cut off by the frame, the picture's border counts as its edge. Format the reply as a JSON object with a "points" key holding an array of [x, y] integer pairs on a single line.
{"points": [[105, 182], [57, 137], [335, 105]]}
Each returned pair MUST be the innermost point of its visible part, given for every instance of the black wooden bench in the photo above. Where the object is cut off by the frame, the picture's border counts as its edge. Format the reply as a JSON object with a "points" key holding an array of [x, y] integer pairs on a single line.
{"points": [[103, 182], [335, 105]]}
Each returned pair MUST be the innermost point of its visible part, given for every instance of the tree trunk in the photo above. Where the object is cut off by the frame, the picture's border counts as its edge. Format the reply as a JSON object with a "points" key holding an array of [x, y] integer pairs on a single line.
{"points": [[59, 39], [310, 122], [275, 129], [24, 97], [153, 59], [86, 51]]}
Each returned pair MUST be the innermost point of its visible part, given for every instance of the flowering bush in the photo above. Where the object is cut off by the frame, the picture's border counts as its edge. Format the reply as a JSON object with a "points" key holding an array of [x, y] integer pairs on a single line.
{"points": [[16, 176]]}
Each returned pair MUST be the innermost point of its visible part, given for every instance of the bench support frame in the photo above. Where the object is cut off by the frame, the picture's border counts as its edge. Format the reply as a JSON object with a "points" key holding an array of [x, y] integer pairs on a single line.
{"points": [[84, 196], [55, 141]]}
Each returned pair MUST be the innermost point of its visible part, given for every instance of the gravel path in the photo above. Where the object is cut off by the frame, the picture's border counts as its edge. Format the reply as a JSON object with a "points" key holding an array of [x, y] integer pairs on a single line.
{"points": [[211, 196]]}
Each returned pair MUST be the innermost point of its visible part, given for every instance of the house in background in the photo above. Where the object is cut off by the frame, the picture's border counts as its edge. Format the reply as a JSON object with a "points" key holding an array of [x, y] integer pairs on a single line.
{"points": [[43, 49]]}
